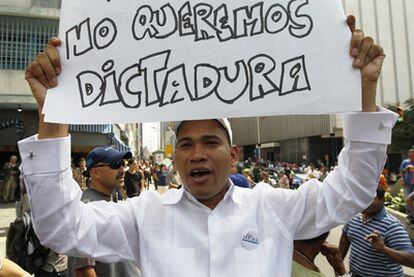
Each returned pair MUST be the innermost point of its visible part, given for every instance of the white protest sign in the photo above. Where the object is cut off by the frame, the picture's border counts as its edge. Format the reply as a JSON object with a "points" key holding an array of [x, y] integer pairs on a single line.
{"points": [[139, 61]]}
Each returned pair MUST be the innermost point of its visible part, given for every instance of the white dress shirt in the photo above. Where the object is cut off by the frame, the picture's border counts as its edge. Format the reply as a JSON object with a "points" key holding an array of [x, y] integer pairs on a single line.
{"points": [[249, 233]]}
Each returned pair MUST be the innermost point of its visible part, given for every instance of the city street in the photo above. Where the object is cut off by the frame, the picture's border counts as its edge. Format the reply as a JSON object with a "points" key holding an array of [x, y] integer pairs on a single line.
{"points": [[8, 214]]}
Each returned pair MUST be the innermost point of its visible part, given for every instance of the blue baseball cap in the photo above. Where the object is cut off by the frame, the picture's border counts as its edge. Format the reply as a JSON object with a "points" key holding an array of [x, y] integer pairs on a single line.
{"points": [[240, 181], [107, 155]]}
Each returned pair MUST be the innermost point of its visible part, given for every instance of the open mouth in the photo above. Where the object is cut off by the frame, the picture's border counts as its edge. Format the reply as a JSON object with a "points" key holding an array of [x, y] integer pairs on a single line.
{"points": [[200, 174]]}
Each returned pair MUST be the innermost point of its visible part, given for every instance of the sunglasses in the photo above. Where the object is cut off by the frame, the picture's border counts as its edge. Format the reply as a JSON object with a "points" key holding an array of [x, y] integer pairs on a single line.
{"points": [[116, 165]]}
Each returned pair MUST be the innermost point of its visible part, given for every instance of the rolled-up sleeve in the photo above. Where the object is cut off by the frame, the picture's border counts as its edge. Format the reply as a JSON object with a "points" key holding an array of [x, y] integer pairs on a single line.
{"points": [[317, 207], [106, 231]]}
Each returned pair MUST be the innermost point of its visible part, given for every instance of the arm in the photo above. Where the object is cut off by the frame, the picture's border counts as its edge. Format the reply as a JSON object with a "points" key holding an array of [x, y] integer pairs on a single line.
{"points": [[85, 272], [344, 244], [351, 186], [399, 256], [10, 269], [334, 258], [103, 230]]}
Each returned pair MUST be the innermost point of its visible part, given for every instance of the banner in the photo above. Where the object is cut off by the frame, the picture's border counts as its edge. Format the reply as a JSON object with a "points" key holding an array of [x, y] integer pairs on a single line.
{"points": [[140, 61]]}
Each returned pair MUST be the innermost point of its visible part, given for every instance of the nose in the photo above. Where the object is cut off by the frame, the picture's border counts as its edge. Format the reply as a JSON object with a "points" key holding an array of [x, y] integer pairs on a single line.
{"points": [[198, 154]]}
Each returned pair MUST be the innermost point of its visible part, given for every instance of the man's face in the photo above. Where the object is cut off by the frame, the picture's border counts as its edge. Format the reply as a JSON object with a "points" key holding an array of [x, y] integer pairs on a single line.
{"points": [[82, 164], [134, 165], [204, 157], [13, 159], [411, 155], [107, 176], [375, 207]]}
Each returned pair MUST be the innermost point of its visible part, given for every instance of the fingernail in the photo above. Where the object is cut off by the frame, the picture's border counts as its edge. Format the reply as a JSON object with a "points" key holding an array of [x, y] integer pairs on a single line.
{"points": [[354, 52], [54, 82], [58, 70], [357, 62]]}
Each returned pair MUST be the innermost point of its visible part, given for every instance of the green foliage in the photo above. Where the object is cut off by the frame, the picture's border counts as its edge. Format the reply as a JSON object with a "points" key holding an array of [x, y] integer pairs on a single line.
{"points": [[403, 132], [396, 202]]}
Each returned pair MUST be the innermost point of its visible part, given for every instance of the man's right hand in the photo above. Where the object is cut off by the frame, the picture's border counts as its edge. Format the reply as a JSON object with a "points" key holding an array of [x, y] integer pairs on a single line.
{"points": [[41, 75]]}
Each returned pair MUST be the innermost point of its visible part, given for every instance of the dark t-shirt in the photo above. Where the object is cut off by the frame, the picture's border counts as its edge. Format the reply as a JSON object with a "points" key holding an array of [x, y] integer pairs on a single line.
{"points": [[133, 183], [119, 269], [162, 178]]}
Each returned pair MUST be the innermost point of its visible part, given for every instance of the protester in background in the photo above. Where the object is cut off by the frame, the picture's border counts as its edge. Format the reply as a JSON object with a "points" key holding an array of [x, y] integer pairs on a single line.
{"points": [[312, 172], [379, 242], [407, 174], [267, 179], [160, 177], [134, 179], [11, 176], [79, 174], [305, 252], [283, 180], [106, 169], [173, 178]]}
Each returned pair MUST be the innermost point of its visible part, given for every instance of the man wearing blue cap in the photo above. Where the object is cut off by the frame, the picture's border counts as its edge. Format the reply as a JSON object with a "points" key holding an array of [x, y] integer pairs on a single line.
{"points": [[209, 227], [106, 168]]}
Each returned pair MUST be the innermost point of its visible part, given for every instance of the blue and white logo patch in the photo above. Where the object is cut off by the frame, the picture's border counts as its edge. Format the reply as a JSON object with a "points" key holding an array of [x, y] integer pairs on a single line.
{"points": [[250, 239]]}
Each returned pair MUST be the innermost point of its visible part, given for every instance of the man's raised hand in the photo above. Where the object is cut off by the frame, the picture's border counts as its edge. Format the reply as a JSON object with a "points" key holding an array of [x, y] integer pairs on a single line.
{"points": [[368, 57], [42, 73]]}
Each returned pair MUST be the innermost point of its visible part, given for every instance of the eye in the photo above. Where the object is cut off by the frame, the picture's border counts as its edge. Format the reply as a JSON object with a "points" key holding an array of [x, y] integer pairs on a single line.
{"points": [[212, 142], [184, 145]]}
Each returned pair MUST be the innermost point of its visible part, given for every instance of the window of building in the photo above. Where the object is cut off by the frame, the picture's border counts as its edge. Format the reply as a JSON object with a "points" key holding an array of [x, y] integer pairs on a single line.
{"points": [[21, 38]]}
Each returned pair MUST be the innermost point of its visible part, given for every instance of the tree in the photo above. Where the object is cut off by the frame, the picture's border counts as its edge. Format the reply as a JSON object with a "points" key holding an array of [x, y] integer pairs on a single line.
{"points": [[403, 132]]}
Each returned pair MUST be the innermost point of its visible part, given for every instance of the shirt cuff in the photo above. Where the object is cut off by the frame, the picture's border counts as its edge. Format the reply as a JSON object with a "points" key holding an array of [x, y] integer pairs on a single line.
{"points": [[41, 156], [373, 127]]}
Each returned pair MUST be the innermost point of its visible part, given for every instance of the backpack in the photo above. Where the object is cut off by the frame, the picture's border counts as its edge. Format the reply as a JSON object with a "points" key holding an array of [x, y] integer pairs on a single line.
{"points": [[23, 247]]}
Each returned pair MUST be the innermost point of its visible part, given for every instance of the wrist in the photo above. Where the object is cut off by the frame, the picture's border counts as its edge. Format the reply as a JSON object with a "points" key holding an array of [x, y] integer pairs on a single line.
{"points": [[51, 130], [340, 270]]}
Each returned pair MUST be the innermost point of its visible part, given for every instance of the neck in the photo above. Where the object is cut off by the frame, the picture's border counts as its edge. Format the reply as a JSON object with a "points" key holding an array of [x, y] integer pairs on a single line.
{"points": [[213, 201], [98, 187]]}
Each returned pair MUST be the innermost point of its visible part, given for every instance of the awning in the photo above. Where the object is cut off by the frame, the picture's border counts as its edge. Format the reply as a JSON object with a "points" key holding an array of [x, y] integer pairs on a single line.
{"points": [[101, 129]]}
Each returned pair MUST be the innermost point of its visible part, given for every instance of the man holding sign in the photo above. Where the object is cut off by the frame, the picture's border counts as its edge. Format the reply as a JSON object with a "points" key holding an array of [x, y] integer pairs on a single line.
{"points": [[209, 227]]}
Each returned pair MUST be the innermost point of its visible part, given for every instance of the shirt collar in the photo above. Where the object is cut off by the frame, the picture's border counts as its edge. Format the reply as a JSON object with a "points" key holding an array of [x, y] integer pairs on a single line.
{"points": [[380, 215], [174, 196]]}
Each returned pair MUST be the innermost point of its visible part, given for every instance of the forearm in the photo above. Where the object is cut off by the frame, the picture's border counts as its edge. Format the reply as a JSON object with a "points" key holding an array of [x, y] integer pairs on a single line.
{"points": [[51, 130], [400, 257], [369, 90], [344, 246], [85, 272], [10, 269]]}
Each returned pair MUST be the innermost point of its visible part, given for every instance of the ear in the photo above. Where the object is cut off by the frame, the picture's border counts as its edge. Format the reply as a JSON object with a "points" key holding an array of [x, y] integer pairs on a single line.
{"points": [[234, 155]]}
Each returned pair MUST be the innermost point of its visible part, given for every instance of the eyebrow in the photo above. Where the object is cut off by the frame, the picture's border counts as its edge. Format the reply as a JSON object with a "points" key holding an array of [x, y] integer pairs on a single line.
{"points": [[205, 137]]}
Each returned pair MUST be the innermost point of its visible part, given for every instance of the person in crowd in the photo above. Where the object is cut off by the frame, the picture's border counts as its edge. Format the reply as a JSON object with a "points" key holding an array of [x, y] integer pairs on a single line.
{"points": [[160, 177], [312, 172], [324, 173], [266, 178], [11, 176], [305, 252], [283, 180], [79, 174], [379, 242], [106, 168], [211, 227], [407, 175], [134, 179], [10, 269], [173, 178]]}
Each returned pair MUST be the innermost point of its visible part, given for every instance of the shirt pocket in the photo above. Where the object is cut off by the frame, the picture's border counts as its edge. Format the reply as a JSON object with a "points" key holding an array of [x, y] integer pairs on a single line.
{"points": [[170, 262], [253, 262]]}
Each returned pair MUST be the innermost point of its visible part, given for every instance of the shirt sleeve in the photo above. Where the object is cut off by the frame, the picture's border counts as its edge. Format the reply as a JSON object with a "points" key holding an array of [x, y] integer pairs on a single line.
{"points": [[106, 231], [318, 207], [397, 238]]}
